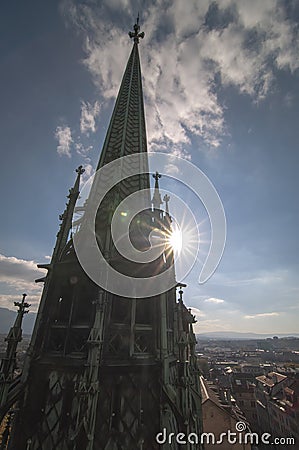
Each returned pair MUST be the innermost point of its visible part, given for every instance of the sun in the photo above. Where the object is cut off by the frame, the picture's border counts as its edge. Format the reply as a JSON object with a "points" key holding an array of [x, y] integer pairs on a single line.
{"points": [[175, 240]]}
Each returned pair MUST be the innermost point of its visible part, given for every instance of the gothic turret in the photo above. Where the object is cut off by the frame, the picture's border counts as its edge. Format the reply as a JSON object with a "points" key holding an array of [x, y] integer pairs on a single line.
{"points": [[8, 363]]}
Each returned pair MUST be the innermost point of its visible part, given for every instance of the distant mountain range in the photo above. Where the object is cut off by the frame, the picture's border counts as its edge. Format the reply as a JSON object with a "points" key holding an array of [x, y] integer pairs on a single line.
{"points": [[7, 318], [239, 335]]}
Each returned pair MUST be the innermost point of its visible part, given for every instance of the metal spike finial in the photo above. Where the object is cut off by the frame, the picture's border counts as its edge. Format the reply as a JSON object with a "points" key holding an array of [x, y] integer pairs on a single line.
{"points": [[136, 35]]}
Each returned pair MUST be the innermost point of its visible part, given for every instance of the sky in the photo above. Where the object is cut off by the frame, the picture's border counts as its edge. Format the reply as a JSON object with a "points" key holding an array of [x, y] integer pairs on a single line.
{"points": [[220, 82]]}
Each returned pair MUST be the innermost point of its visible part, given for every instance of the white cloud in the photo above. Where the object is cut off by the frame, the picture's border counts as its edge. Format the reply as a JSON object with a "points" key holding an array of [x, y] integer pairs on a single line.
{"points": [[261, 277], [255, 316], [240, 43], [89, 114], [64, 137], [11, 267], [16, 277], [89, 171], [209, 325], [198, 313], [82, 150], [171, 168], [289, 100], [216, 301], [7, 301]]}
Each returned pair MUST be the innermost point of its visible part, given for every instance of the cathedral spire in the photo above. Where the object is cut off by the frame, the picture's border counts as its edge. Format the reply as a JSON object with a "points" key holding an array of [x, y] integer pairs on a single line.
{"points": [[108, 370], [126, 134]]}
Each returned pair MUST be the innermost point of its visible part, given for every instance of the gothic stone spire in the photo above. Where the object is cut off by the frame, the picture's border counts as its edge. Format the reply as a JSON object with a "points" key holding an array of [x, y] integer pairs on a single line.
{"points": [[8, 363], [106, 371], [127, 133]]}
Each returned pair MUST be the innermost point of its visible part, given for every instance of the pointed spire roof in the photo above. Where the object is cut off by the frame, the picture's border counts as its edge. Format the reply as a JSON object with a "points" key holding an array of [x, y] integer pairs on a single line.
{"points": [[66, 218], [126, 134], [65, 226]]}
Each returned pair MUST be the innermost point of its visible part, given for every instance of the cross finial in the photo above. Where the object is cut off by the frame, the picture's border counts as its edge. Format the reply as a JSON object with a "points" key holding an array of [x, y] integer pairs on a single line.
{"points": [[157, 200], [22, 305], [80, 170], [157, 176], [136, 35]]}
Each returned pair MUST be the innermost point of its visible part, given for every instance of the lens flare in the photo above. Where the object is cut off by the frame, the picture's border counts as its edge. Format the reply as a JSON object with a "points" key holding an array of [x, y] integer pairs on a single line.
{"points": [[175, 240]]}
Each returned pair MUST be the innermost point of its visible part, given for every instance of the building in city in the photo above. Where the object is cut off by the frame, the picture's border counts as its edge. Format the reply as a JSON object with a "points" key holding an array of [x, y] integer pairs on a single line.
{"points": [[221, 416], [243, 390], [278, 408]]}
